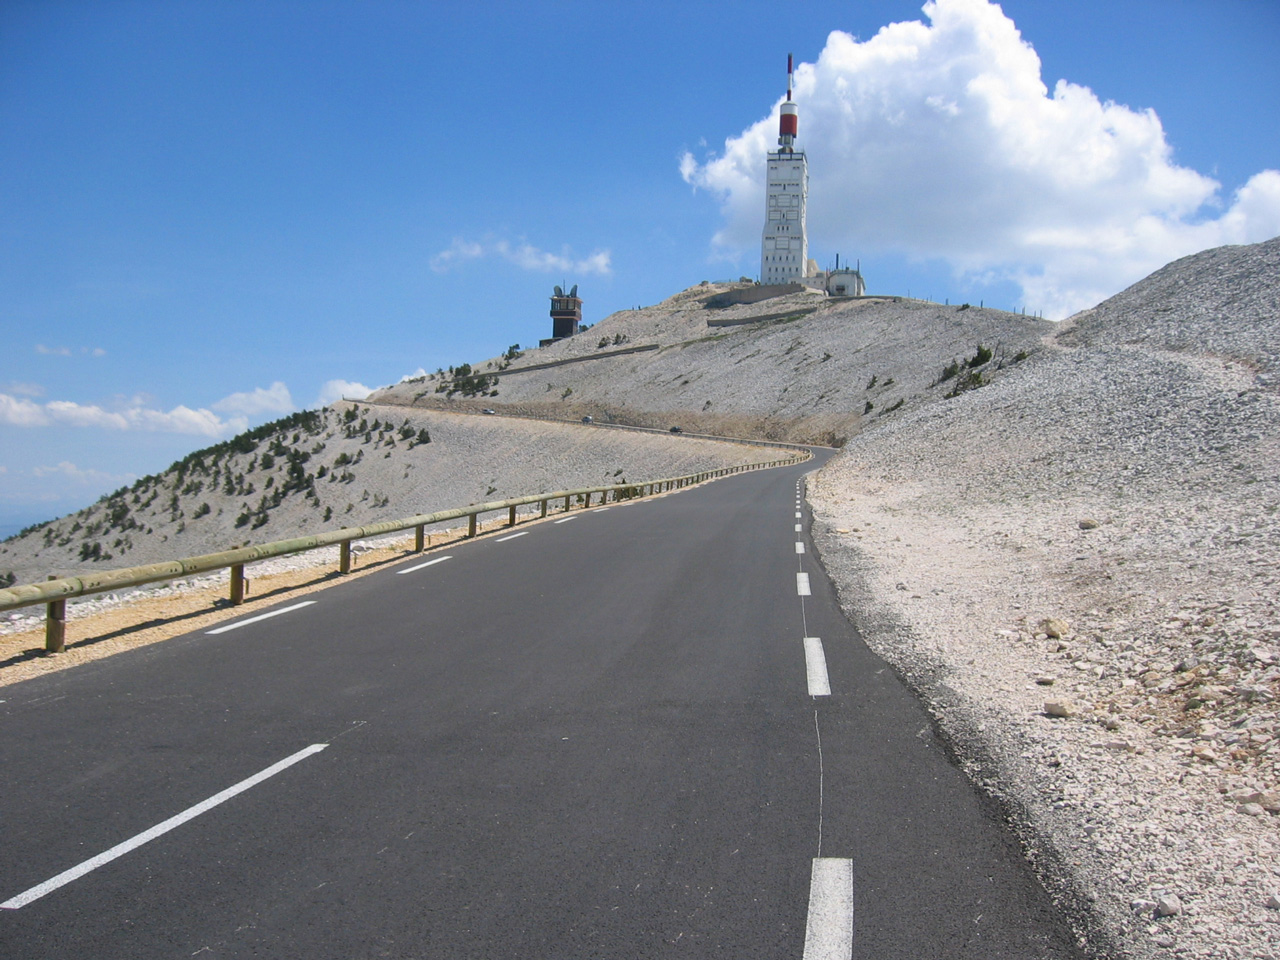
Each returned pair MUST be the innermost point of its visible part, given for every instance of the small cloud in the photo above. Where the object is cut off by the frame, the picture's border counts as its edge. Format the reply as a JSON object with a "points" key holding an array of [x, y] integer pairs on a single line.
{"points": [[19, 412], [458, 251], [53, 351], [335, 390], [414, 376], [273, 400], [26, 389], [94, 351], [525, 256], [68, 470]]}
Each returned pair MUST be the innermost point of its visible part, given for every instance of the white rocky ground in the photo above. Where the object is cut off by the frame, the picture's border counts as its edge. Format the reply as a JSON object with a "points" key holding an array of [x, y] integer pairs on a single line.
{"points": [[1078, 567], [808, 368]]}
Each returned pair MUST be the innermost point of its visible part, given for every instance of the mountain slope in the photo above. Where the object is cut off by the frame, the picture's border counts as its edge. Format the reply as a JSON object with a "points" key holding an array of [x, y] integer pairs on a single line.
{"points": [[346, 465]]}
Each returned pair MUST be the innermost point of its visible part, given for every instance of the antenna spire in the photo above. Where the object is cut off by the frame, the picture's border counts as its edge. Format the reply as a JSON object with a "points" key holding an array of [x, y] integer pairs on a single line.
{"points": [[788, 119]]}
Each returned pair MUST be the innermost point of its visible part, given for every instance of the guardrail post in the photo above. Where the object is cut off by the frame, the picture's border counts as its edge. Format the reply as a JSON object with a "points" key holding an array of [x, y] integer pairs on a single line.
{"points": [[566, 504], [237, 584], [418, 536], [344, 557], [544, 509], [471, 525], [511, 516], [55, 624]]}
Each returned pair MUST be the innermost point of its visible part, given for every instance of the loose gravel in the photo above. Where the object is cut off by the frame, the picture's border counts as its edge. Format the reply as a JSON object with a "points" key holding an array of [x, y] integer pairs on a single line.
{"points": [[1077, 567]]}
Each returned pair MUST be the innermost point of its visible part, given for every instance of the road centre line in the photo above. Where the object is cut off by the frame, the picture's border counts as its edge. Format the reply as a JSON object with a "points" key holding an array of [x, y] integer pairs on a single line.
{"points": [[261, 616], [120, 849], [600, 510], [828, 931], [799, 547], [564, 519], [802, 584], [421, 565], [799, 515], [799, 527], [522, 533], [815, 663]]}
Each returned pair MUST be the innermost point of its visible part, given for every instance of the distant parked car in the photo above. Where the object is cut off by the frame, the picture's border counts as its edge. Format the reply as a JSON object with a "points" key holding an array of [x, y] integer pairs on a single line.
{"points": [[487, 410], [676, 430], [587, 420]]}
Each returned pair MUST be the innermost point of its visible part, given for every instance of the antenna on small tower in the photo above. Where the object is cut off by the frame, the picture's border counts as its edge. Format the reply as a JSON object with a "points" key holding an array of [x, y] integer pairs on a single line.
{"points": [[788, 118]]}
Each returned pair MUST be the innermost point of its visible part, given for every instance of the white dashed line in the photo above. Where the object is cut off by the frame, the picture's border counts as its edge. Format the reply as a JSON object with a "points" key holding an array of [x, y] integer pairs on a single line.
{"points": [[120, 849], [828, 932], [564, 519], [799, 515], [802, 584], [600, 510], [815, 663], [799, 527], [799, 547], [523, 533], [261, 616], [421, 565]]}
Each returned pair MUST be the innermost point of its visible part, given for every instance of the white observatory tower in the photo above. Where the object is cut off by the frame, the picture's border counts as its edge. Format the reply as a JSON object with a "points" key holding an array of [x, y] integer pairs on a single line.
{"points": [[784, 251]]}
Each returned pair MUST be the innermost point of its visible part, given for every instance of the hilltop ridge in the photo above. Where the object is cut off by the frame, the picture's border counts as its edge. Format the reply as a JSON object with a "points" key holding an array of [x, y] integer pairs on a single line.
{"points": [[798, 367]]}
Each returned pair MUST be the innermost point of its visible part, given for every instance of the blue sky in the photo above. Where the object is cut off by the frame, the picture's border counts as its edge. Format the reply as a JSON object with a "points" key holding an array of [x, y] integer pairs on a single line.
{"points": [[213, 213]]}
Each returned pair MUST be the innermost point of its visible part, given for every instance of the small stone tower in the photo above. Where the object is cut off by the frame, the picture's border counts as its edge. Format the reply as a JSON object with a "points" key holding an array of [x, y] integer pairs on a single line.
{"points": [[566, 313]]}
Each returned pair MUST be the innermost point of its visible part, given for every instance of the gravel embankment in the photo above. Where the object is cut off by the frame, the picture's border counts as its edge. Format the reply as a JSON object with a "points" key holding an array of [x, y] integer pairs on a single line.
{"points": [[1077, 567]]}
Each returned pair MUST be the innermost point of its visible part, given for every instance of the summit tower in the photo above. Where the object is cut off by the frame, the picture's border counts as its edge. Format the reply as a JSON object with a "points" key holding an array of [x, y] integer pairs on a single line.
{"points": [[784, 250]]}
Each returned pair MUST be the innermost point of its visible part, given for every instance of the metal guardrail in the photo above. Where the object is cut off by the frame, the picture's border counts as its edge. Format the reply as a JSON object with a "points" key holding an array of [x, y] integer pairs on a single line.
{"points": [[54, 593]]}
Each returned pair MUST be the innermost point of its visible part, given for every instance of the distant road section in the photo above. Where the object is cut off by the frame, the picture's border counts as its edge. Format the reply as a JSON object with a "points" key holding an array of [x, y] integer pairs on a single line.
{"points": [[646, 733]]}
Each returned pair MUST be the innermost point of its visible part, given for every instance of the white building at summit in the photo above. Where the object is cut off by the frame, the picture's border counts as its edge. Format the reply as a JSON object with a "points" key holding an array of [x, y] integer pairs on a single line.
{"points": [[784, 250]]}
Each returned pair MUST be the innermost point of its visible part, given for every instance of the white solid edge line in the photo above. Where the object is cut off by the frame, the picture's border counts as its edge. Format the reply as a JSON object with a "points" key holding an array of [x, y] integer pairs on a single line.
{"points": [[421, 565], [828, 931], [815, 663], [802, 584], [120, 849], [799, 547], [522, 533], [262, 616], [564, 519]]}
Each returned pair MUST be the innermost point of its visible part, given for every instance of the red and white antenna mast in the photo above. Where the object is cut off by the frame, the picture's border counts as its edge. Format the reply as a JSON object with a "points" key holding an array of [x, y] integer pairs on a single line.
{"points": [[788, 119]]}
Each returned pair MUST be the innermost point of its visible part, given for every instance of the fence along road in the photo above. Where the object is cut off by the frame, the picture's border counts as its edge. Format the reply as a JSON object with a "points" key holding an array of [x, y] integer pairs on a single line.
{"points": [[605, 738]]}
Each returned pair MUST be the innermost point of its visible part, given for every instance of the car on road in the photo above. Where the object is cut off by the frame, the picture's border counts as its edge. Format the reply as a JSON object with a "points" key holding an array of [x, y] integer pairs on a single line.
{"points": [[587, 420], [676, 430], [487, 410]]}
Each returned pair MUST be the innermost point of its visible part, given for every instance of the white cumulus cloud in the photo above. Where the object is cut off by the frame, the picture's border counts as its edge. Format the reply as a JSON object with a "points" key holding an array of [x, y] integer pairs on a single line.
{"points": [[524, 255], [19, 412], [941, 140], [335, 390], [69, 471], [272, 401]]}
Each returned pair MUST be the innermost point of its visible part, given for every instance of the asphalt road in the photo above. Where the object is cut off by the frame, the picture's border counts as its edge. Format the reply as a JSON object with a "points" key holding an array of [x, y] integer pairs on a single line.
{"points": [[606, 737]]}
